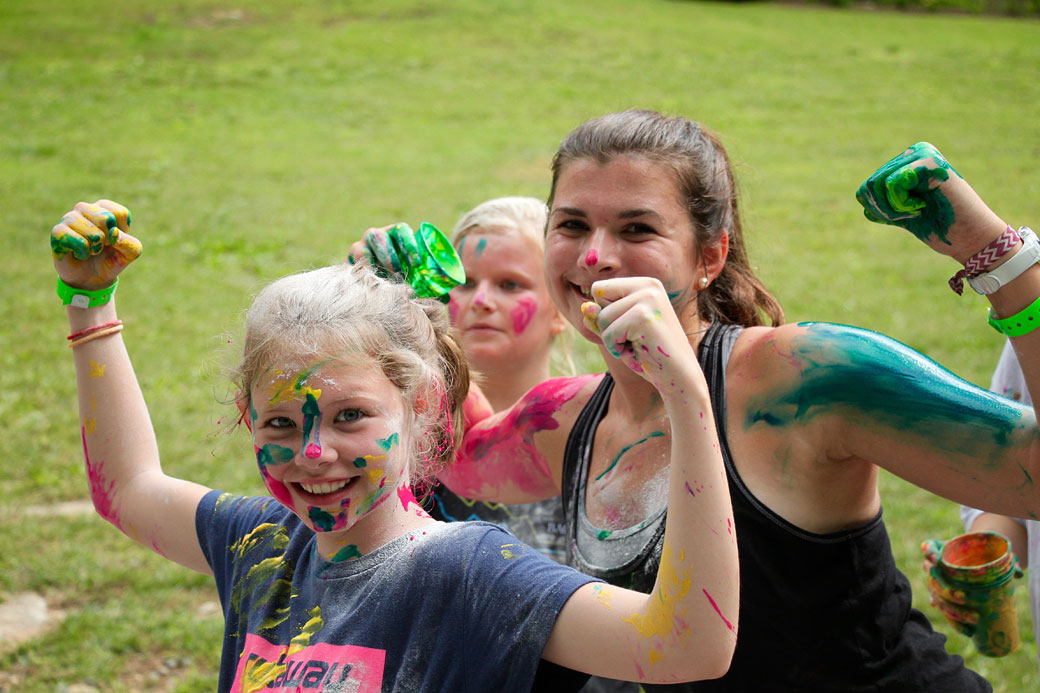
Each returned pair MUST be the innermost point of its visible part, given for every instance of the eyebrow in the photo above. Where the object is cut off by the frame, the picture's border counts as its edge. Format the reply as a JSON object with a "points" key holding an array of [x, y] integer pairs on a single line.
{"points": [[627, 214]]}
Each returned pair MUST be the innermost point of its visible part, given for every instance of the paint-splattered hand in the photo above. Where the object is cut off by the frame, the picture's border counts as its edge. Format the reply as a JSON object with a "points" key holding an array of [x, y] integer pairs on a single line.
{"points": [[920, 191], [91, 245], [905, 192], [638, 326], [389, 250]]}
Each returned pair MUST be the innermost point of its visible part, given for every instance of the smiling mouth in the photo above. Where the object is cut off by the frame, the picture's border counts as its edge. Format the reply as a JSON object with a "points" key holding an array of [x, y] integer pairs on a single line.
{"points": [[584, 293], [325, 488]]}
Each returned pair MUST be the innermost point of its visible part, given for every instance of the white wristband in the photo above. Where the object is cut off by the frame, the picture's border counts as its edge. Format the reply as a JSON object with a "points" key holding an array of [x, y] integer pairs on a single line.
{"points": [[1027, 256]]}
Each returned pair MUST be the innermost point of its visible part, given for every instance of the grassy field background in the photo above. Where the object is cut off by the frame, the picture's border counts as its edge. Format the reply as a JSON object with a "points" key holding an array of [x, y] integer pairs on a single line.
{"points": [[252, 139]]}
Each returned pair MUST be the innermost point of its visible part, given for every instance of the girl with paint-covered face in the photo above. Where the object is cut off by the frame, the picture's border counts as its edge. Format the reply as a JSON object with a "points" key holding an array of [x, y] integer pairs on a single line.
{"points": [[505, 318], [508, 327], [644, 235], [353, 391]]}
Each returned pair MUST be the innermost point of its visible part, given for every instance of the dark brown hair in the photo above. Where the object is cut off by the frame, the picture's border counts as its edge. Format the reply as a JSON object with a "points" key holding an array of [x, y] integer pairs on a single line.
{"points": [[705, 180]]}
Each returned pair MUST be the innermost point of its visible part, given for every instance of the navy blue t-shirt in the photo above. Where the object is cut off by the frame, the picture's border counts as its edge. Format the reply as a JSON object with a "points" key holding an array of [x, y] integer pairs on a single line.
{"points": [[452, 607]]}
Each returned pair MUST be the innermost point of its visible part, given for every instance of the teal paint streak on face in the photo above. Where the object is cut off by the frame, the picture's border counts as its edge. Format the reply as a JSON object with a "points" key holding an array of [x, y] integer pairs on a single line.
{"points": [[387, 443], [360, 462], [481, 244], [859, 373], [311, 420], [321, 519], [346, 554], [272, 454], [654, 434]]}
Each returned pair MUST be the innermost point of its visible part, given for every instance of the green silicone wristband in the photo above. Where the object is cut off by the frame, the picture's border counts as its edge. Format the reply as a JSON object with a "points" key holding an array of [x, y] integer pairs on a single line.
{"points": [[83, 298], [1018, 324]]}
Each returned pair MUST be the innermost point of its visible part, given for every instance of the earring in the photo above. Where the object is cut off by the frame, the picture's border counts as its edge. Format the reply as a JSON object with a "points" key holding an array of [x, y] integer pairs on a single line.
{"points": [[702, 283]]}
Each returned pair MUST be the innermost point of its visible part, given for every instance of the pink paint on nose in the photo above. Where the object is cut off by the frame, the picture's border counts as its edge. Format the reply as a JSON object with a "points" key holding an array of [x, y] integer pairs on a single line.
{"points": [[522, 313], [312, 452], [591, 258]]}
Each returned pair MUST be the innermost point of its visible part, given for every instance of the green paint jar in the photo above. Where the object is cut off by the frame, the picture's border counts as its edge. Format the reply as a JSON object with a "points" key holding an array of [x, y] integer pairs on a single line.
{"points": [[439, 268]]}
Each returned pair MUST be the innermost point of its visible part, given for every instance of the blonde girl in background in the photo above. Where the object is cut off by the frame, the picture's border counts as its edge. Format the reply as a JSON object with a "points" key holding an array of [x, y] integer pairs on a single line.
{"points": [[508, 326]]}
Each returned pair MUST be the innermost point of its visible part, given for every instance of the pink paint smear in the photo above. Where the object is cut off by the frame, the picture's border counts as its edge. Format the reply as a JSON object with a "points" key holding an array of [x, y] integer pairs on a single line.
{"points": [[716, 607], [100, 491]]}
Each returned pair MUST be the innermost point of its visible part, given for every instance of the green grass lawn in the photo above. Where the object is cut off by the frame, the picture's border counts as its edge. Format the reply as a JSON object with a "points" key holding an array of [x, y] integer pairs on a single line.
{"points": [[259, 138]]}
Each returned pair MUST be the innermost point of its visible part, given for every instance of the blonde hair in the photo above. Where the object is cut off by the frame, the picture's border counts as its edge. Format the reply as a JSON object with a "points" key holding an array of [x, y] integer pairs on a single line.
{"points": [[526, 216], [344, 309]]}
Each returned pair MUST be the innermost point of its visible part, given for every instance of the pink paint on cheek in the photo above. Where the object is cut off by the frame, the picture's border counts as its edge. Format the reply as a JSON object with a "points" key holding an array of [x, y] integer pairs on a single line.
{"points": [[312, 452], [591, 258], [522, 313], [453, 309]]}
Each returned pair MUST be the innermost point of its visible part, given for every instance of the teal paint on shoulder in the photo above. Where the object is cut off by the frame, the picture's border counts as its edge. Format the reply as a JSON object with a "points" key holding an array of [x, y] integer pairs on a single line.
{"points": [[604, 533], [857, 373], [387, 443]]}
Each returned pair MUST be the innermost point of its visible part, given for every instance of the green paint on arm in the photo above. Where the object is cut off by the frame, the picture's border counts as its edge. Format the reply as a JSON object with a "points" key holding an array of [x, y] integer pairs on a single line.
{"points": [[875, 380]]}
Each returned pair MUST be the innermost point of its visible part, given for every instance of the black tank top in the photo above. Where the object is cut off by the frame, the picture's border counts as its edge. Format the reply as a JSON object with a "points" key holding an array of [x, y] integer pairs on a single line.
{"points": [[818, 612]]}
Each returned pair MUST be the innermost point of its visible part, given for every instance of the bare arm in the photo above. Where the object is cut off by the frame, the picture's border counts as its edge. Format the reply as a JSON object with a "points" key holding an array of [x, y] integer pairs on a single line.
{"points": [[686, 628], [91, 247]]}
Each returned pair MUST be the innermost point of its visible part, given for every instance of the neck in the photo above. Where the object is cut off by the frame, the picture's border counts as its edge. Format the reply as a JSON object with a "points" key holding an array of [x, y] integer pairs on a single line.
{"points": [[504, 384]]}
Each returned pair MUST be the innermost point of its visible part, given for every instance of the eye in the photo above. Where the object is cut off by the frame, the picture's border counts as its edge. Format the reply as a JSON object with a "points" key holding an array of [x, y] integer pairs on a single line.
{"points": [[280, 423], [349, 416], [572, 226], [638, 229], [468, 284], [510, 285]]}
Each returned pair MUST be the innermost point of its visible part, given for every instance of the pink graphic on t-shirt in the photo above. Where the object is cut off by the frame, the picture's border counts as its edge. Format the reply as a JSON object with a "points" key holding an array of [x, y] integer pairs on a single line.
{"points": [[321, 667]]}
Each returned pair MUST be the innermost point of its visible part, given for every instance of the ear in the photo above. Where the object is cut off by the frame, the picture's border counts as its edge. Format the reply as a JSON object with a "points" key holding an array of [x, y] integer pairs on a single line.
{"points": [[558, 324], [713, 257]]}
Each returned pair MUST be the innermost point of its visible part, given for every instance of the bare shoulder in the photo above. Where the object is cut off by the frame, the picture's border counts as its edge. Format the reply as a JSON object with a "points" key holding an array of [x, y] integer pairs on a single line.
{"points": [[557, 401]]}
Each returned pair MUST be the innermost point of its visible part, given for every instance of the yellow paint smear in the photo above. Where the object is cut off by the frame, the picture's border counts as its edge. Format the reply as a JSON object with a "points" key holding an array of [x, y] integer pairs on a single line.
{"points": [[90, 425], [660, 614], [603, 594], [97, 370], [258, 676]]}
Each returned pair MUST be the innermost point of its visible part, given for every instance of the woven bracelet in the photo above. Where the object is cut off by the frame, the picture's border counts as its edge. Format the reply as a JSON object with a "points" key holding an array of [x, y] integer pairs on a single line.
{"points": [[985, 257]]}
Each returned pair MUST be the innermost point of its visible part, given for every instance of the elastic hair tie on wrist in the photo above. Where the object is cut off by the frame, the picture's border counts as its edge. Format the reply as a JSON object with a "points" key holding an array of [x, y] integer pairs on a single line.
{"points": [[984, 258], [97, 335], [1022, 322], [92, 329]]}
